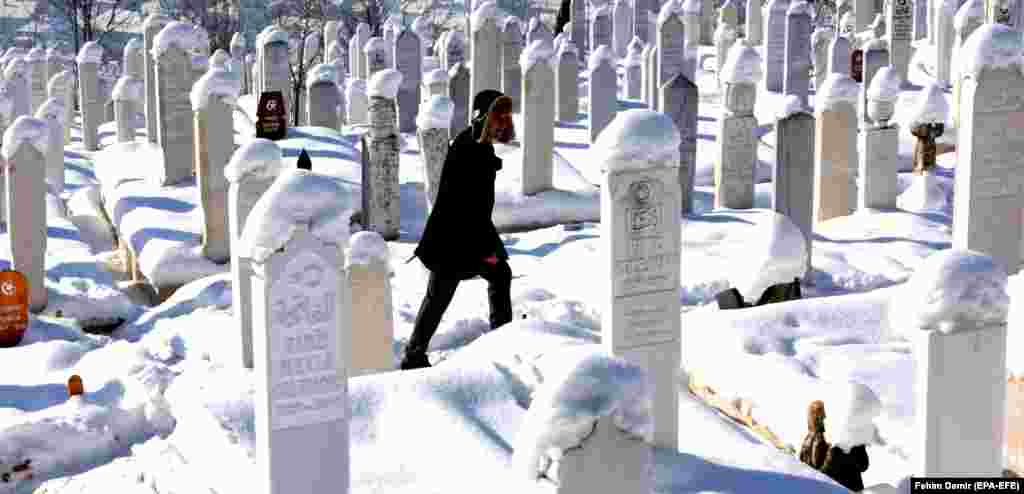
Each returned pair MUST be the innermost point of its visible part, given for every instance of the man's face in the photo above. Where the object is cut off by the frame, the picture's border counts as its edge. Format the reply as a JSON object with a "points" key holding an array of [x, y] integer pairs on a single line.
{"points": [[501, 127]]}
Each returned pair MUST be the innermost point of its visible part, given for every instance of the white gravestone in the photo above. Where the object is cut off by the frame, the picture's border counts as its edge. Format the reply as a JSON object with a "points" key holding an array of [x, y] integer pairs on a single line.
{"points": [[52, 112], [376, 53], [651, 81], [640, 204], [24, 151], [213, 100], [458, 91], [434, 124], [944, 39], [679, 100], [755, 23], [358, 102], [409, 63], [793, 176], [129, 97], [820, 41], [879, 143], [538, 118], [150, 28], [89, 98], [798, 51], [835, 148], [737, 145], [602, 90], [601, 28], [775, 44], [36, 60], [511, 72], [633, 63], [486, 50], [724, 39], [864, 14], [838, 58], [671, 42], [324, 98], [567, 83], [901, 22], [690, 15], [62, 86], [238, 61], [174, 109], [275, 73], [622, 27], [380, 157]]}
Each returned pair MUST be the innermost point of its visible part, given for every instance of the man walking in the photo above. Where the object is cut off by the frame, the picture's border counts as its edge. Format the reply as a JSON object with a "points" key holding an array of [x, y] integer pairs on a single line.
{"points": [[459, 240]]}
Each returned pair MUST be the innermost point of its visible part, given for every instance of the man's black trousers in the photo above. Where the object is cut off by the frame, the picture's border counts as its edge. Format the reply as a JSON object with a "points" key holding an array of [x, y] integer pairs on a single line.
{"points": [[441, 289]]}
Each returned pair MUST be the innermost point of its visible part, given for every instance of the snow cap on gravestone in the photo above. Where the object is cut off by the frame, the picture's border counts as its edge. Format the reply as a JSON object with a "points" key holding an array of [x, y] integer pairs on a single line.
{"points": [[365, 247], [180, 34], [931, 107], [91, 52], [539, 50], [838, 88], [59, 82], [482, 13], [435, 76], [52, 108], [355, 86], [742, 65], [25, 130], [991, 46], [36, 54], [671, 8], [791, 106], [384, 84], [220, 59], [298, 197], [219, 83], [801, 7], [129, 89], [603, 54], [638, 139], [435, 113], [885, 86], [634, 53], [259, 159], [320, 73], [15, 68], [237, 42]]}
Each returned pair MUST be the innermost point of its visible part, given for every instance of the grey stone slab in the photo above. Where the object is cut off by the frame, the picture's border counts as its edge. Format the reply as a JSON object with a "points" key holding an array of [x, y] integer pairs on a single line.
{"points": [[793, 176], [174, 116], [26, 223], [775, 45], [538, 128], [458, 91], [798, 52], [604, 101], [680, 100], [410, 64]]}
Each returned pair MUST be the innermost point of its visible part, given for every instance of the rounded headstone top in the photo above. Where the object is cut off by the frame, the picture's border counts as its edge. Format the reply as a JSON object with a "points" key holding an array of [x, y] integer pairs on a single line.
{"points": [[52, 109], [801, 7], [952, 290], [691, 7], [634, 53], [791, 106], [362, 28], [671, 9], [512, 22], [742, 65], [91, 52], [238, 40], [638, 139], [375, 43], [435, 76], [275, 36], [885, 86], [603, 54], [991, 46], [134, 44], [540, 50], [837, 89], [15, 68], [876, 44], [220, 58], [59, 82], [420, 24], [25, 130], [324, 72], [384, 84], [435, 113], [931, 107], [258, 159], [366, 246], [486, 11], [180, 34], [129, 88], [970, 10], [781, 6], [36, 54], [216, 82], [53, 51], [603, 11]]}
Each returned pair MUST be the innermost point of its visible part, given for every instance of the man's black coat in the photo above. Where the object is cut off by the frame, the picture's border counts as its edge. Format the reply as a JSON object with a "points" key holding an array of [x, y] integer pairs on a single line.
{"points": [[459, 233]]}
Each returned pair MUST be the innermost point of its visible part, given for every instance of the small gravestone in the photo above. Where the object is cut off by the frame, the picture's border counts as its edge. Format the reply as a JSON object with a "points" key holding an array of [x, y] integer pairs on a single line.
{"points": [[679, 100], [14, 295], [567, 84], [820, 41], [602, 90], [622, 27], [879, 142], [324, 98], [793, 175], [797, 68], [775, 44], [876, 56], [90, 99], [838, 57], [129, 97], [24, 149], [458, 91], [150, 28], [355, 96], [538, 118], [724, 39], [271, 119]]}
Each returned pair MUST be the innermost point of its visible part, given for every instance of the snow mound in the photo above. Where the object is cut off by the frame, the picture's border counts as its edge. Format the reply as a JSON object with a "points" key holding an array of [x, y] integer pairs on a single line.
{"points": [[791, 106], [435, 113], [838, 88], [587, 386], [366, 246], [601, 55], [800, 8], [25, 130], [36, 55], [258, 159], [782, 260], [215, 83], [971, 9], [52, 109], [384, 84], [298, 196], [671, 9], [375, 43], [850, 411], [742, 65], [129, 88], [486, 11], [638, 139], [885, 86], [180, 34], [538, 50], [991, 46], [435, 76], [932, 108], [952, 290], [219, 59], [924, 194], [91, 52]]}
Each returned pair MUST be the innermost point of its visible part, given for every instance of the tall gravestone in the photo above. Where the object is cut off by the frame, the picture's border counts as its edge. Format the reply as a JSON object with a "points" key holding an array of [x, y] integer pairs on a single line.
{"points": [[275, 69], [838, 57], [18, 87], [634, 70], [538, 119], [359, 40], [690, 15], [944, 40], [775, 44], [62, 86], [174, 109], [409, 63], [458, 91], [511, 72], [324, 98], [213, 104], [901, 25], [55, 63], [425, 31], [835, 148], [737, 145], [622, 27], [798, 51], [89, 58], [52, 112], [987, 190], [725, 37], [153, 25], [578, 18], [330, 34], [376, 53], [793, 175], [755, 23], [24, 150], [879, 143], [129, 97], [36, 60], [380, 157], [864, 14], [372, 321], [434, 123], [708, 9], [301, 341], [679, 100], [358, 102], [671, 42], [820, 41], [920, 19], [567, 84], [876, 56], [454, 49], [640, 9], [601, 28], [238, 61], [641, 231], [602, 90], [486, 47], [651, 81], [967, 19]]}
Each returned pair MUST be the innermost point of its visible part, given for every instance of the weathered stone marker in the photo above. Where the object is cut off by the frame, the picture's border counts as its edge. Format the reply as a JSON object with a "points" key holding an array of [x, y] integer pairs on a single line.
{"points": [[129, 97], [434, 124], [174, 108], [150, 28], [567, 83], [324, 97], [797, 68], [410, 64], [835, 148], [538, 118], [380, 157], [213, 101], [355, 96], [639, 205], [602, 90], [373, 327], [879, 143], [61, 86], [24, 149], [89, 58], [36, 60], [775, 44], [820, 41], [737, 146], [901, 33], [634, 70], [458, 91], [671, 41], [511, 73], [679, 100], [793, 176]]}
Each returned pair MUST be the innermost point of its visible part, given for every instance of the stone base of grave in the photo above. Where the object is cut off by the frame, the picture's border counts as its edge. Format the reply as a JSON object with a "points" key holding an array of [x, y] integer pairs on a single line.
{"points": [[738, 410]]}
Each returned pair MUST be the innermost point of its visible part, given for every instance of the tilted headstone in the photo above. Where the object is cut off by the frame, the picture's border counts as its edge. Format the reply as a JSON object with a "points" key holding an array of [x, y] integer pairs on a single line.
{"points": [[36, 60], [567, 84], [150, 28], [373, 326], [820, 41], [486, 50], [797, 70], [755, 23], [901, 22], [24, 150], [838, 57], [679, 100], [129, 97], [622, 27], [737, 145], [458, 91], [433, 124], [601, 28], [835, 148], [987, 192], [213, 101], [174, 109], [301, 328], [324, 97], [639, 205], [380, 165], [52, 112], [538, 118], [879, 143], [793, 175], [409, 63], [62, 86], [671, 42], [602, 90], [358, 102], [511, 72], [775, 44], [633, 87], [89, 97]]}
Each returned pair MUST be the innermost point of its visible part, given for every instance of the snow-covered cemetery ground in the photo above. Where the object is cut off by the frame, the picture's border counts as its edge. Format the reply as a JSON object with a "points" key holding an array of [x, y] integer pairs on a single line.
{"points": [[237, 331]]}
